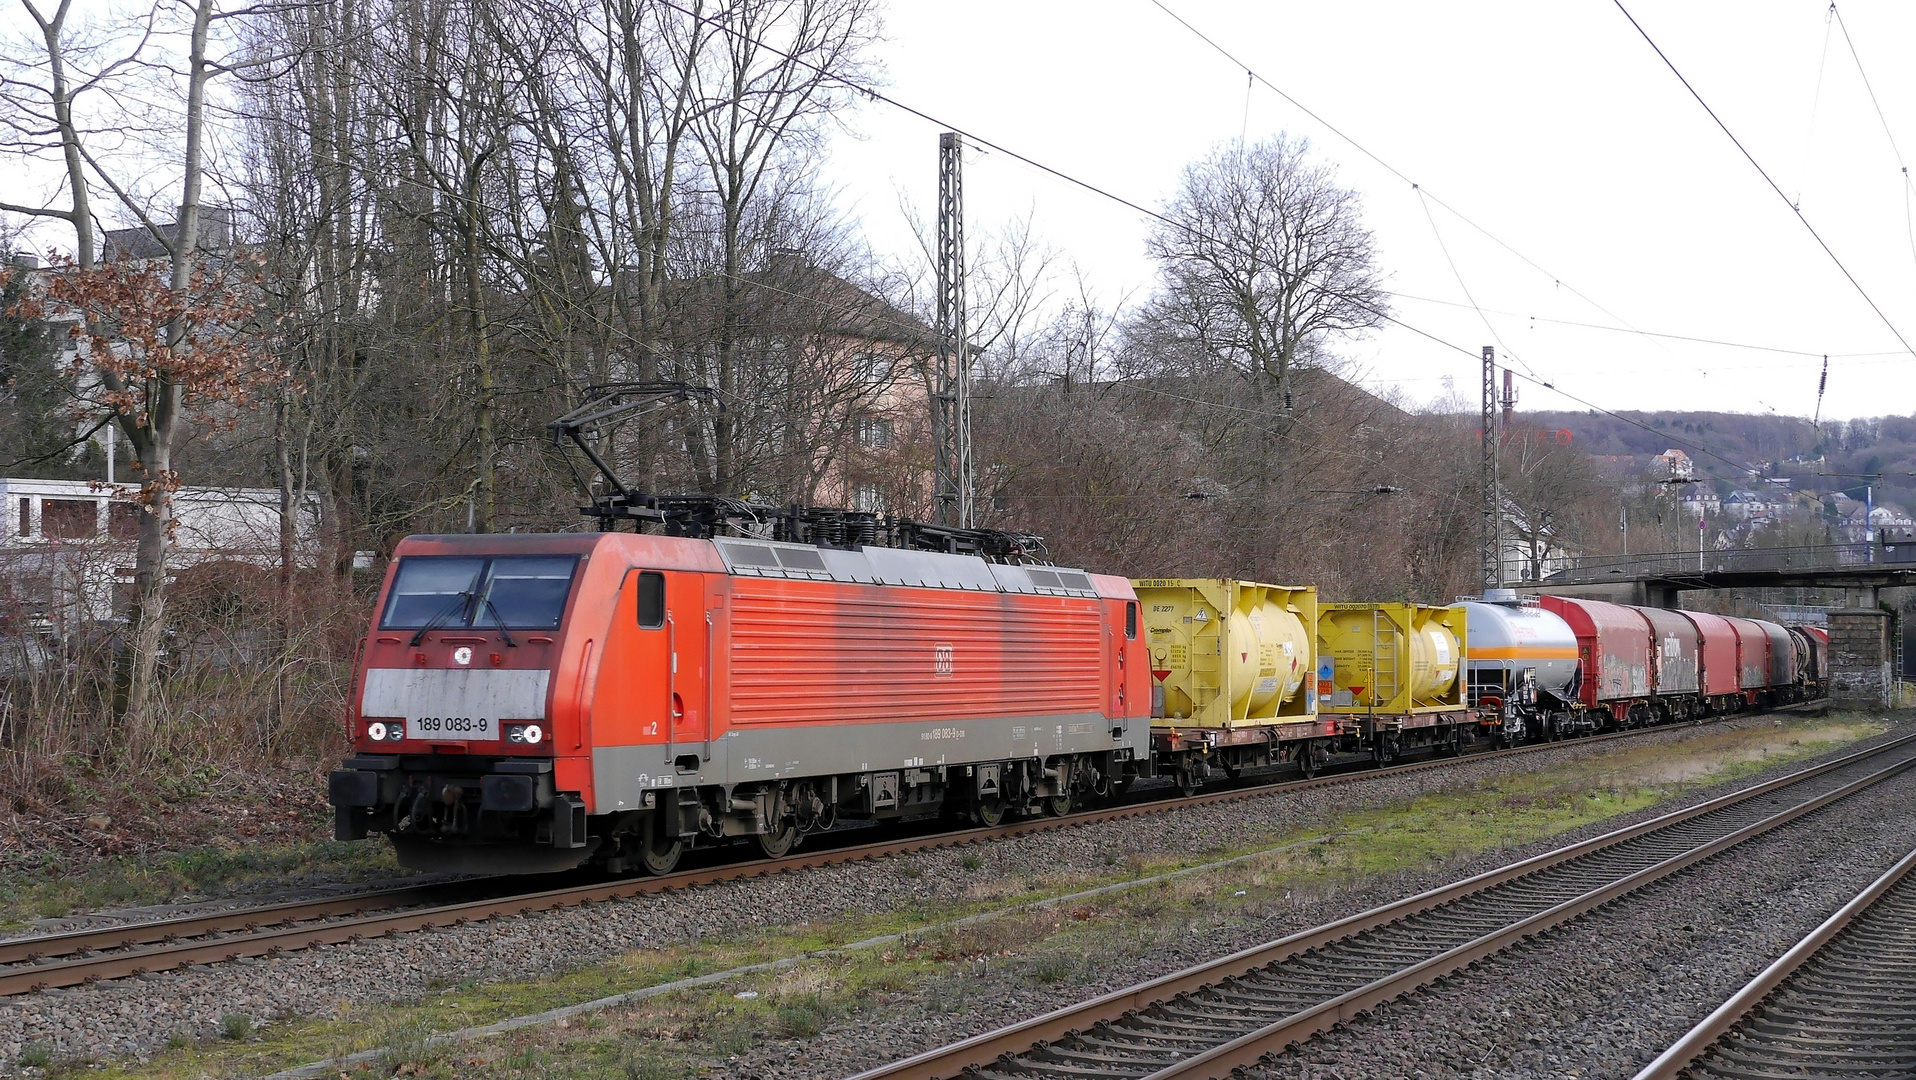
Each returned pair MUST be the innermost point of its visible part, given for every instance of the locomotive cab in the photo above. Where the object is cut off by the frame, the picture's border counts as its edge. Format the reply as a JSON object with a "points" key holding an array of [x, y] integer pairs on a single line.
{"points": [[453, 721]]}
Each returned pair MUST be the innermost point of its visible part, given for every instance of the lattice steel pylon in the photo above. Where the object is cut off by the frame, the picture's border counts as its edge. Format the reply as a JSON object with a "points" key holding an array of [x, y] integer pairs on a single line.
{"points": [[951, 382], [1493, 547]]}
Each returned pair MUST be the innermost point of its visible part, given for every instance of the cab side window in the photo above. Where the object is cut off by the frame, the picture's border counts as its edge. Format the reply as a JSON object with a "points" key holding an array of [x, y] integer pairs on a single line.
{"points": [[651, 600], [1131, 620]]}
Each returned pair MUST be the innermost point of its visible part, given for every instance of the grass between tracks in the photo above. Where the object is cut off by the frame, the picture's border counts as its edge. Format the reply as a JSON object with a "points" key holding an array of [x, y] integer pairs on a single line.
{"points": [[1023, 954], [54, 888]]}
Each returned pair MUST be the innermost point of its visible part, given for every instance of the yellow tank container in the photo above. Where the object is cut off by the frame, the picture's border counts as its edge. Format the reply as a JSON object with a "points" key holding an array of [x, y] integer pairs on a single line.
{"points": [[1229, 653], [1398, 659]]}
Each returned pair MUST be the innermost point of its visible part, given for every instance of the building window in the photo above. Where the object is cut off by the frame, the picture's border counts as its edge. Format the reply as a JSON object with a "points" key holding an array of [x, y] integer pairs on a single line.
{"points": [[69, 519], [123, 521], [26, 517], [874, 432], [867, 499], [873, 367]]}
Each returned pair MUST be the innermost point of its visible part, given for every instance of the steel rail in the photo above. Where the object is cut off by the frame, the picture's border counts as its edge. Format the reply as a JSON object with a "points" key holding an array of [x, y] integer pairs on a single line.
{"points": [[29, 950], [1839, 1028], [273, 929], [1019, 1050]]}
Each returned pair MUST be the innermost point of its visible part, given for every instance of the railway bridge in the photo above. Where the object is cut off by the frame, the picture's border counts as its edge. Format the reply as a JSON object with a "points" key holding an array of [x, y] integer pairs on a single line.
{"points": [[1863, 632]]}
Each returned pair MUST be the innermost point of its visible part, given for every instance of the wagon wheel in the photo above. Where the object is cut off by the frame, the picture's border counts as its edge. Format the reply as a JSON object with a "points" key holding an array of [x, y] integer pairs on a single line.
{"points": [[780, 841], [658, 853], [1307, 760], [989, 812], [1187, 781], [1454, 746]]}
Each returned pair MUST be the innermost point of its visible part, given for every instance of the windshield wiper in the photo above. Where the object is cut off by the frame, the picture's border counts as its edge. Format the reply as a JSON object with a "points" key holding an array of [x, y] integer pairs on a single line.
{"points": [[458, 604], [500, 621]]}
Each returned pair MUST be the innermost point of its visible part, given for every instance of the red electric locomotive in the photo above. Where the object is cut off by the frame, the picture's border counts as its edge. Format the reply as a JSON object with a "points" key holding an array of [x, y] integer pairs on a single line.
{"points": [[529, 703]]}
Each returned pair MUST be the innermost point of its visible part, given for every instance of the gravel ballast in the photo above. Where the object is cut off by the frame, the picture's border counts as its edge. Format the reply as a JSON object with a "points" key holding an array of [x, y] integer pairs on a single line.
{"points": [[927, 1021], [134, 1017], [1604, 995]]}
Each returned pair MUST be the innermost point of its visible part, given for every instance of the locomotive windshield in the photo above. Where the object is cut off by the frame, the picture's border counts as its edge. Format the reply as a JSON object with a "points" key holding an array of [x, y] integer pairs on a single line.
{"points": [[523, 592]]}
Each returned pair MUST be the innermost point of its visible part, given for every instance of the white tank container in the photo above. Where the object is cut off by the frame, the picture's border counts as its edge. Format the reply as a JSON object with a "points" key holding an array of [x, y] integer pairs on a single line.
{"points": [[1511, 636]]}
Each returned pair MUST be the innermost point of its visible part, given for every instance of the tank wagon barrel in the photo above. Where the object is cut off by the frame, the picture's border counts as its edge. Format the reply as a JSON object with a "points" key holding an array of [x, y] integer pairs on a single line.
{"points": [[1233, 670], [1396, 675]]}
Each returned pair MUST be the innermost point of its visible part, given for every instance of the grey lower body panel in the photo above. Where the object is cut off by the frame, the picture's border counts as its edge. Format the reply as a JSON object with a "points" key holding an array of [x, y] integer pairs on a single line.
{"points": [[765, 752]]}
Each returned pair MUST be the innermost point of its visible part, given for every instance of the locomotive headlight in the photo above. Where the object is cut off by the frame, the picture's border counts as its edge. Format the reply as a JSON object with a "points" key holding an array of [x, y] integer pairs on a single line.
{"points": [[376, 731], [524, 733]]}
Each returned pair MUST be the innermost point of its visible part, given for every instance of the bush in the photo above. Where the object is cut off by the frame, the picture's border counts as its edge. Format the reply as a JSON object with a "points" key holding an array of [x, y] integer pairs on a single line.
{"points": [[235, 1026]]}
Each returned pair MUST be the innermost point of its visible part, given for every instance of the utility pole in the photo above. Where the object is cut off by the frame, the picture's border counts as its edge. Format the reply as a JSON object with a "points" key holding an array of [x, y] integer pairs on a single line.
{"points": [[951, 383], [1492, 486]]}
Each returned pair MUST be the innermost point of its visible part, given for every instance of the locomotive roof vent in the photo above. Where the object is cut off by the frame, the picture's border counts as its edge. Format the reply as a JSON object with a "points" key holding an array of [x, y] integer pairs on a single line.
{"points": [[896, 566]]}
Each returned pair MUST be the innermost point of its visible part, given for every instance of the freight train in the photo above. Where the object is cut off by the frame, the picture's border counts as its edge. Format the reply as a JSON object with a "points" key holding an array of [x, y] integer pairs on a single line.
{"points": [[533, 703], [1559, 666]]}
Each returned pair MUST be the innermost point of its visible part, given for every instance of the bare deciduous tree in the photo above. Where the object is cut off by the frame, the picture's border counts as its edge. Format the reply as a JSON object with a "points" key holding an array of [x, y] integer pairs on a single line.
{"points": [[1263, 257]]}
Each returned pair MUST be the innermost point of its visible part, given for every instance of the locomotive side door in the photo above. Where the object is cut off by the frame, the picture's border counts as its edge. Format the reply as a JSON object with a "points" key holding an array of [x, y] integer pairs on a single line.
{"points": [[688, 633], [656, 661]]}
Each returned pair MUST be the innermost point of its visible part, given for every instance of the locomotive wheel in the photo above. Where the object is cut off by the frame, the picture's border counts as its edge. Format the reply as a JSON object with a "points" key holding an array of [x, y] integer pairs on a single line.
{"points": [[1058, 805], [779, 843], [989, 812], [660, 854]]}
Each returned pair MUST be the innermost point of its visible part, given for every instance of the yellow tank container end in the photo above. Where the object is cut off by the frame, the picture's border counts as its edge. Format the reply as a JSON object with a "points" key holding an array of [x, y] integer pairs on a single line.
{"points": [[1227, 653], [1396, 659]]}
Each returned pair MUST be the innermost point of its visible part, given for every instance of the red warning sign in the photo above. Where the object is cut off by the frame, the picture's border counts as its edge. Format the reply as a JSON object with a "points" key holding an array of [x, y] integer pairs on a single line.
{"points": [[1160, 674]]}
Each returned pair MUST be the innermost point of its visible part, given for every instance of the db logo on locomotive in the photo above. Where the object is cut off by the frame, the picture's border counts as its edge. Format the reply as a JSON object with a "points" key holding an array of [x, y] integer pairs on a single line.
{"points": [[943, 659]]}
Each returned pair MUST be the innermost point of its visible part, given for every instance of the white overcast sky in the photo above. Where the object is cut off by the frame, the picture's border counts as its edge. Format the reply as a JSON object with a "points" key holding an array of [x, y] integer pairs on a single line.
{"points": [[1553, 126]]}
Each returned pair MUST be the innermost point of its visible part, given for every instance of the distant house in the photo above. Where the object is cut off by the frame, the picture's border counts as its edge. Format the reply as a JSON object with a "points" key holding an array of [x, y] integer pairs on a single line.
{"points": [[1745, 505], [1673, 464], [1701, 499], [66, 546], [216, 234], [857, 374]]}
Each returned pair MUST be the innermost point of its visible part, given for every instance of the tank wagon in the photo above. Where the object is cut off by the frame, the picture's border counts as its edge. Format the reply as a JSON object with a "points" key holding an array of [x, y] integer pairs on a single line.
{"points": [[1395, 676], [533, 702], [1522, 668], [1233, 668]]}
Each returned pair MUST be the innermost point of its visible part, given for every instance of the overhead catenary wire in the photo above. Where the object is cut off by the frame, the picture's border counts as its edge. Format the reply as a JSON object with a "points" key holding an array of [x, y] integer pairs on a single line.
{"points": [[1458, 274], [877, 95], [1816, 101], [1385, 165], [1909, 225], [1751, 158]]}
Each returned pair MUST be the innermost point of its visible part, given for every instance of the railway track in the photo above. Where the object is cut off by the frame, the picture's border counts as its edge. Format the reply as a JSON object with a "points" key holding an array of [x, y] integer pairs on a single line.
{"points": [[84, 956], [1230, 1013], [1840, 1003]]}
